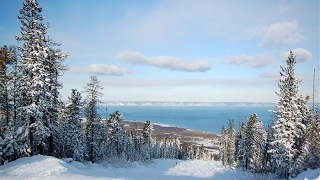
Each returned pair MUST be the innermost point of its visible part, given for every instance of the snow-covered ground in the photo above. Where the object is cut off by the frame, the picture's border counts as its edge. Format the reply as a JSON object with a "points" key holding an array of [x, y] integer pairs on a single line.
{"points": [[45, 167]]}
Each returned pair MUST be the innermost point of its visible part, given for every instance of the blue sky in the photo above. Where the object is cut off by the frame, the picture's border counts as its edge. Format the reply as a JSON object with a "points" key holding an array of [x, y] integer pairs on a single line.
{"points": [[185, 51]]}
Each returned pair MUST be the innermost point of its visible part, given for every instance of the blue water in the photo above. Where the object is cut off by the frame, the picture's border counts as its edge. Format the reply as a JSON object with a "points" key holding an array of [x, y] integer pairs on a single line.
{"points": [[201, 118]]}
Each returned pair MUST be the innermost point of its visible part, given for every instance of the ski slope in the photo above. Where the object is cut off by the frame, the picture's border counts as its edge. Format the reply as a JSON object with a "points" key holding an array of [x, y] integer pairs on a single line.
{"points": [[45, 167]]}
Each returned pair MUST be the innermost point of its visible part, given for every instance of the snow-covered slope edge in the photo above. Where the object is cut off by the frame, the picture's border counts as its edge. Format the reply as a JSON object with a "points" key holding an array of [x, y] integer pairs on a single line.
{"points": [[46, 167]]}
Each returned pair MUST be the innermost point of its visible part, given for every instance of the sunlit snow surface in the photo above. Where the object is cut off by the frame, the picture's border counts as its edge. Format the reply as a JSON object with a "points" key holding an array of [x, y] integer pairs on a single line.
{"points": [[44, 167]]}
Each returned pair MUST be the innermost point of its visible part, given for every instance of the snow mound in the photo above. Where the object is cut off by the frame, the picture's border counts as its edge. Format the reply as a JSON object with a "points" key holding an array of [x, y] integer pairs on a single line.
{"points": [[309, 175], [36, 166], [43, 167]]}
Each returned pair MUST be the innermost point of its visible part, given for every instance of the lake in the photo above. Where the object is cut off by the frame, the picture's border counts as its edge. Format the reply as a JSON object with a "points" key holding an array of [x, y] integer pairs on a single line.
{"points": [[202, 118]]}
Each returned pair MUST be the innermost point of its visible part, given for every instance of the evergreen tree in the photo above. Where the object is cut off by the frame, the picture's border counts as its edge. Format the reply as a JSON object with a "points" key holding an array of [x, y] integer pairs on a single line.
{"points": [[241, 145], [146, 149], [269, 160], [313, 139], [289, 127], [93, 90], [37, 74], [223, 146], [231, 144], [99, 141], [117, 135], [71, 127], [255, 144]]}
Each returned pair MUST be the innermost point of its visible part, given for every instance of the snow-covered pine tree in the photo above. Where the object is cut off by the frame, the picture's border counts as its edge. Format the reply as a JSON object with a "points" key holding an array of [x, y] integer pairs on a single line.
{"points": [[157, 146], [32, 102], [164, 148], [93, 90], [54, 66], [58, 132], [231, 147], [176, 151], [241, 146], [270, 162], [37, 73], [72, 127], [313, 141], [99, 146], [147, 132], [289, 127], [146, 148], [255, 144], [9, 146], [223, 146], [137, 144], [129, 148], [116, 134]]}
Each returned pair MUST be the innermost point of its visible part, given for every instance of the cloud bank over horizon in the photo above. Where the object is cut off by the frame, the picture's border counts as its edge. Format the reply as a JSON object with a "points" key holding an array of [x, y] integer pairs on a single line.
{"points": [[101, 69], [164, 62], [259, 61]]}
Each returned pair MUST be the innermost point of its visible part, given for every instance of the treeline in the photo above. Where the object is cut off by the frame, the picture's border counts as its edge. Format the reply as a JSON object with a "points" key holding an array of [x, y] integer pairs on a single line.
{"points": [[33, 120], [289, 146]]}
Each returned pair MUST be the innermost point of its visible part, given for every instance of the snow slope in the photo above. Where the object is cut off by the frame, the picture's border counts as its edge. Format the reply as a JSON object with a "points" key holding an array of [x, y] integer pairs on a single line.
{"points": [[45, 167]]}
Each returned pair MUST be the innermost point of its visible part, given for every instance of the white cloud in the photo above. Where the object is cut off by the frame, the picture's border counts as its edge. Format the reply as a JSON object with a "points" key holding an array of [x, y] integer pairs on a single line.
{"points": [[249, 61], [302, 55], [278, 34], [165, 62], [277, 76], [273, 76], [101, 69]]}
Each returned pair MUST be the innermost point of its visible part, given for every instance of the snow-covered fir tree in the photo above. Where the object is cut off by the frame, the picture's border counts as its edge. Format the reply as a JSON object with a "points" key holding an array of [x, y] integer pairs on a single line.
{"points": [[254, 140], [37, 74], [175, 150], [270, 162], [54, 66], [231, 147], [241, 146], [71, 128], [99, 140], [93, 90], [116, 134], [289, 127], [313, 141], [223, 146], [146, 147]]}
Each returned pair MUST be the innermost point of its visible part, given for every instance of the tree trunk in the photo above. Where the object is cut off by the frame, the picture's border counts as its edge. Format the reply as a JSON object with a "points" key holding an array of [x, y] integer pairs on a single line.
{"points": [[7, 102], [32, 120], [51, 145], [41, 148], [91, 145]]}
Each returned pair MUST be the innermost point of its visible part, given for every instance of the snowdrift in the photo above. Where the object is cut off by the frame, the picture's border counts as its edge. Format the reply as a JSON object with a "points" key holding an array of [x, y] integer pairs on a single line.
{"points": [[46, 167]]}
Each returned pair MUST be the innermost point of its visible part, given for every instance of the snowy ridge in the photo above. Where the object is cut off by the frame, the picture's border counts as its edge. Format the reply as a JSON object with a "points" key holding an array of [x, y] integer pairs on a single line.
{"points": [[47, 167]]}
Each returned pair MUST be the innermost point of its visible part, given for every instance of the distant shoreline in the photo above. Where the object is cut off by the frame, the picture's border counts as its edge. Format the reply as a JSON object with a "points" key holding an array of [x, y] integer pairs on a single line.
{"points": [[209, 140]]}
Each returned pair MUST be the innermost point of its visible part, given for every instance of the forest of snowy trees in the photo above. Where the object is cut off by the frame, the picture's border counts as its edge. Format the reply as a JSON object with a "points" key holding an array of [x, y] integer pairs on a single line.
{"points": [[289, 146], [35, 121]]}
